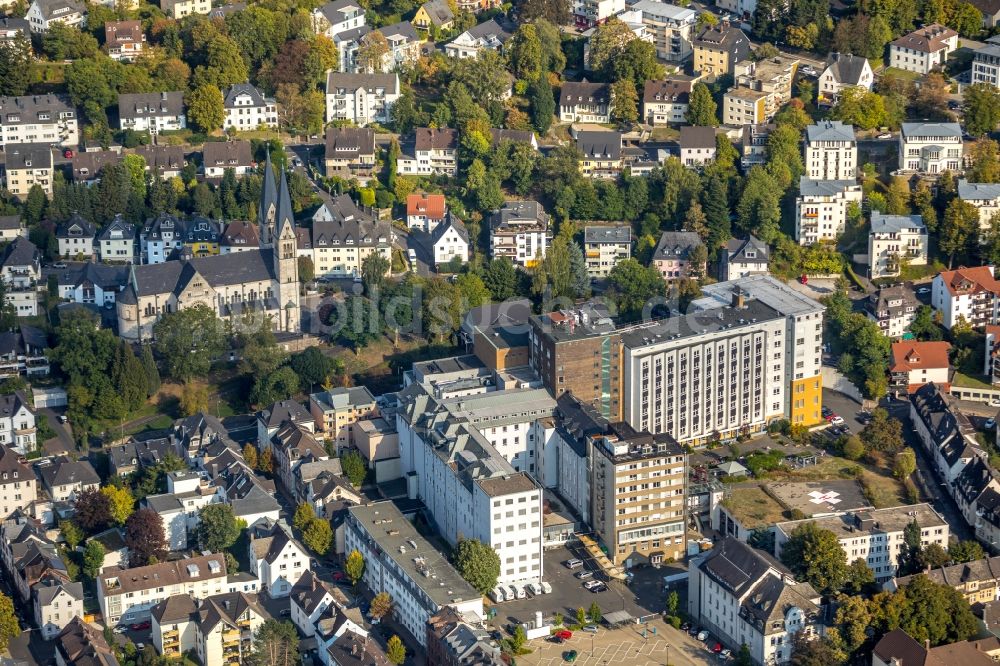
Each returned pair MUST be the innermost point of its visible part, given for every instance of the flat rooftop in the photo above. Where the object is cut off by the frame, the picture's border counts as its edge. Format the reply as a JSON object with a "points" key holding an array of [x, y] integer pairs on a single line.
{"points": [[873, 521], [764, 288], [420, 561], [819, 497]]}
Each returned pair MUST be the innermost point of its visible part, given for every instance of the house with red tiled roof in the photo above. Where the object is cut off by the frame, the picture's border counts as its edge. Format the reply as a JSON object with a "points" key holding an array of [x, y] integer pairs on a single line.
{"points": [[966, 294], [425, 211], [917, 363]]}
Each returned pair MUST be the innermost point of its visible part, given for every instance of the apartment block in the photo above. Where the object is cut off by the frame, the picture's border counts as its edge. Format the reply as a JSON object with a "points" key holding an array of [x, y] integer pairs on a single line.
{"points": [[893, 309], [43, 119], [978, 581], [986, 65], [894, 240], [665, 102], [930, 148], [344, 234], [219, 628], [590, 13], [923, 50], [432, 151], [772, 77], [821, 208], [27, 165], [966, 294], [360, 98], [671, 28], [152, 112], [915, 364], [831, 151], [246, 108], [604, 247], [520, 231], [337, 411], [717, 49], [178, 9], [984, 196]]}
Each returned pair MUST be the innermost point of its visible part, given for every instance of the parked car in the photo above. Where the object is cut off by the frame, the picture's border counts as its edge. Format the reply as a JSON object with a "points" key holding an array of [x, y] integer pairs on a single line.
{"points": [[702, 635], [885, 135], [141, 626], [546, 588], [555, 638], [717, 648], [837, 420], [497, 595], [598, 586], [573, 564], [59, 264], [533, 589], [512, 592], [584, 575], [570, 656], [68, 153], [564, 634], [825, 411], [591, 629], [923, 290]]}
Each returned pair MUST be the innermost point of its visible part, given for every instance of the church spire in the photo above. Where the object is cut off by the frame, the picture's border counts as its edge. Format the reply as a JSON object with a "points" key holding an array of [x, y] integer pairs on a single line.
{"points": [[268, 209], [284, 215]]}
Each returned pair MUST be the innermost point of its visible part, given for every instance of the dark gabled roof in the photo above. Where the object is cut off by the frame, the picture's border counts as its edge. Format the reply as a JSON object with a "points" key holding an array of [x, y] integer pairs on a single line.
{"points": [[76, 227], [676, 89], [162, 158], [584, 92], [223, 269], [349, 142], [693, 136], [10, 222], [122, 32], [20, 252], [934, 409], [50, 7], [402, 29], [240, 233], [496, 28], [723, 36], [352, 82], [738, 247], [974, 479], [515, 136], [63, 471], [83, 644], [241, 89], [227, 608], [846, 68], [87, 165], [310, 591], [737, 567], [334, 11], [439, 12], [127, 230], [174, 608], [427, 138], [987, 7], [28, 156], [227, 154], [451, 222], [285, 410], [26, 109], [151, 105], [600, 145], [676, 245], [104, 276], [12, 467]]}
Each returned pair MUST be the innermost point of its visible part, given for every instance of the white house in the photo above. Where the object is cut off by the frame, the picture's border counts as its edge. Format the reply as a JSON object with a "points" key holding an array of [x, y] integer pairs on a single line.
{"points": [[924, 49], [63, 479], [490, 35], [21, 272], [152, 112], [665, 102], [55, 603], [894, 239], [221, 156], [337, 17], [697, 145], [277, 559], [843, 70], [670, 26], [117, 242], [520, 231], [585, 102], [187, 493], [917, 363], [309, 599], [17, 428], [986, 64], [821, 208], [360, 98], [433, 151], [984, 196], [968, 294], [831, 151], [930, 147], [425, 211], [742, 257], [450, 240], [43, 13], [45, 119], [246, 108]]}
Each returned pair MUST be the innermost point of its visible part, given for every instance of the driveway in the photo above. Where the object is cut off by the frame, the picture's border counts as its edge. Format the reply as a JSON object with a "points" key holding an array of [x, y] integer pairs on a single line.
{"points": [[63, 441]]}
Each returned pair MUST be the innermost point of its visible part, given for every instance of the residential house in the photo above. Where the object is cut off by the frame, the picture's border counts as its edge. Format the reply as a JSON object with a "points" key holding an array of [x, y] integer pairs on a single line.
{"points": [[717, 49], [520, 231], [246, 108], [291, 447], [986, 61], [350, 153], [348, 43], [432, 152], [425, 211], [18, 485], [360, 98], [527, 137], [42, 14], [348, 646], [27, 165], [893, 240], [164, 237], [490, 35], [277, 415], [276, 558], [23, 352], [112, 540], [337, 17], [163, 161], [842, 71], [178, 9], [454, 639], [75, 238], [178, 508], [219, 628], [56, 602], [128, 595], [897, 647], [337, 410], [590, 13], [13, 29], [328, 492], [238, 236], [124, 40], [915, 363], [666, 101], [773, 77], [585, 102], [753, 144], [62, 478], [984, 196], [404, 46], [742, 106], [343, 234], [136, 455], [924, 49], [450, 242], [978, 581], [697, 145], [821, 208], [893, 308], [831, 151], [217, 156], [966, 294], [601, 153], [930, 147], [87, 166], [604, 247], [309, 599], [82, 643], [990, 9], [673, 255], [762, 607], [670, 26], [21, 272], [152, 112], [742, 257], [434, 15], [228, 9], [43, 119], [118, 242]]}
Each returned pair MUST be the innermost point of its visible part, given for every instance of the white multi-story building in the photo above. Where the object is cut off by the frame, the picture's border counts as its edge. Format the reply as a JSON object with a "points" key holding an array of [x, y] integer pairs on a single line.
{"points": [[748, 352], [246, 108], [450, 241], [360, 98], [470, 489], [966, 294], [55, 602], [344, 234], [670, 27], [337, 17], [433, 151], [923, 50], [746, 597], [489, 35], [42, 14], [843, 70], [585, 102], [178, 508], [742, 257], [219, 629], [21, 272], [930, 147], [401, 562], [45, 119], [984, 196], [893, 240], [986, 65], [604, 247], [18, 486], [117, 242], [520, 231], [875, 536], [27, 165], [893, 309], [821, 208], [831, 152], [665, 102], [590, 13], [152, 112], [178, 9], [277, 559]]}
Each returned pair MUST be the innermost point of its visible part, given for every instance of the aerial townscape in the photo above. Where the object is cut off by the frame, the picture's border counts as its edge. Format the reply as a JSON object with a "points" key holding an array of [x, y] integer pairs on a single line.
{"points": [[483, 333]]}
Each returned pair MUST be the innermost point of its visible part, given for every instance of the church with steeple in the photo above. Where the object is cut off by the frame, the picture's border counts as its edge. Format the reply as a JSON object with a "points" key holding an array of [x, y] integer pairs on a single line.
{"points": [[264, 282]]}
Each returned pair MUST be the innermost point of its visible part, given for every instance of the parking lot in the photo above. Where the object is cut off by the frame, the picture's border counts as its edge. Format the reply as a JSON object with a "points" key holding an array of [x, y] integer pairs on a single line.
{"points": [[643, 597]]}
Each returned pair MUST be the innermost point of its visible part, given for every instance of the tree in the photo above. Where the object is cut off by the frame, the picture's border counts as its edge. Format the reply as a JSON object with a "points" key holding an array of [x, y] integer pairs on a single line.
{"points": [[71, 533], [150, 371], [923, 326], [966, 551], [194, 398], [981, 105], [92, 510], [814, 555], [275, 644], [120, 503], [218, 527], [854, 448], [318, 536], [905, 464], [9, 627], [360, 323], [304, 512], [958, 226], [145, 538], [381, 605], [594, 614], [935, 612], [524, 52], [93, 559], [931, 98], [15, 65], [985, 162], [354, 567], [702, 109], [373, 270], [314, 367], [607, 42], [636, 63], [625, 101], [395, 651], [205, 110], [859, 575], [188, 340], [354, 468], [860, 107], [264, 463], [965, 19], [634, 285], [478, 564], [372, 52], [224, 64], [500, 277], [883, 433], [813, 651], [543, 104]]}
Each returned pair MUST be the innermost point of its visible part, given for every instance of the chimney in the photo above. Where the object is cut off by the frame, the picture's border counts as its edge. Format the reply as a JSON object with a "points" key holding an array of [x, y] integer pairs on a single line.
{"points": [[739, 300], [927, 644]]}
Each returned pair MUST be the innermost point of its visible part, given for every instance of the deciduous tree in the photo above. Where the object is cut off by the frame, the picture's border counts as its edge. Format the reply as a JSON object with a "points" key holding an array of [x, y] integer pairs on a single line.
{"points": [[814, 555], [478, 564], [395, 651], [218, 527], [120, 503], [354, 567], [93, 559], [205, 109], [981, 103], [702, 109], [145, 538], [188, 340], [318, 536], [92, 510]]}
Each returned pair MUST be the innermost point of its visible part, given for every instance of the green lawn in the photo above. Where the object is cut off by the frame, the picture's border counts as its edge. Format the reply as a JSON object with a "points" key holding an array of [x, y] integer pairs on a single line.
{"points": [[967, 381]]}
